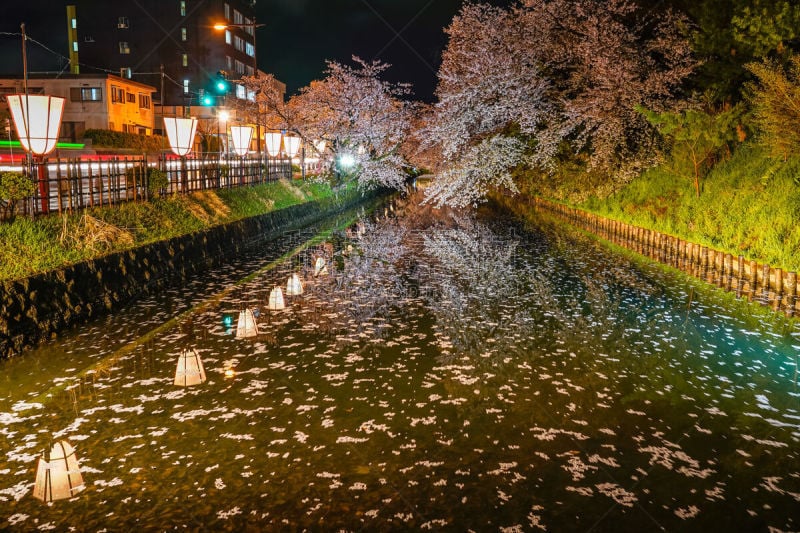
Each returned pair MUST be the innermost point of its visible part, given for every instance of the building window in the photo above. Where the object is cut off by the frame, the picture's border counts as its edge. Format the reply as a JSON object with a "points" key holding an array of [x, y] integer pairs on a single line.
{"points": [[250, 71], [227, 11], [183, 8], [144, 101], [239, 67], [123, 23], [124, 48], [241, 92], [74, 46], [125, 72], [238, 18], [74, 23], [131, 98], [185, 86], [238, 43], [248, 26], [228, 37], [185, 60], [228, 63], [183, 34], [86, 94], [250, 49], [117, 95]]}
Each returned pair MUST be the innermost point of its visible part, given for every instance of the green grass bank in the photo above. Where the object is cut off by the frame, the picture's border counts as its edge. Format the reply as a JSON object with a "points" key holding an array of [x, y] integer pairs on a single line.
{"points": [[31, 247], [749, 205]]}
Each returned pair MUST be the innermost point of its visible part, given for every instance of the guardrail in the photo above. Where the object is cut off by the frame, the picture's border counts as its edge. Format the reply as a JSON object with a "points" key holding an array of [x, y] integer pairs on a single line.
{"points": [[758, 282]]}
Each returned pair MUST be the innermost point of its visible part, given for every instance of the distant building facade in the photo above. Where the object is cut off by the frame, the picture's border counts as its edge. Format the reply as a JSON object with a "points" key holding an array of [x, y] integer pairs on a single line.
{"points": [[169, 44], [93, 101]]}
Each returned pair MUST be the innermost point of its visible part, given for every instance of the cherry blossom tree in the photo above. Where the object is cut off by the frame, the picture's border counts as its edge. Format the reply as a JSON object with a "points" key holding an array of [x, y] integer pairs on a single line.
{"points": [[554, 74], [363, 119]]}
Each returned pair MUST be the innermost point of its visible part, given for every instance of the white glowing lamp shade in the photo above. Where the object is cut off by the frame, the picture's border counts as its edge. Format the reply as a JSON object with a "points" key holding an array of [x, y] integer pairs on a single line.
{"points": [[292, 145], [276, 302], [272, 141], [241, 137], [180, 133], [247, 326], [320, 268], [190, 369], [294, 287], [37, 119], [59, 477]]}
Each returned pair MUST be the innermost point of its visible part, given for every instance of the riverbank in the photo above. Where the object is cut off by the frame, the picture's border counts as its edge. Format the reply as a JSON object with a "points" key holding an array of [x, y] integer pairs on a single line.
{"points": [[38, 306], [748, 205], [32, 247]]}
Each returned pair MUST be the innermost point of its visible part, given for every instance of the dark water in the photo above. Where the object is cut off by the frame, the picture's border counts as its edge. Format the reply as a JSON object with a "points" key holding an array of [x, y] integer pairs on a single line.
{"points": [[450, 372]]}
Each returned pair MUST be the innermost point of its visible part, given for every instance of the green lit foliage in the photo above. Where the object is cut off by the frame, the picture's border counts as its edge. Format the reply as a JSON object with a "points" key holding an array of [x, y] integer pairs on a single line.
{"points": [[775, 99], [763, 26], [731, 33], [14, 186], [696, 139]]}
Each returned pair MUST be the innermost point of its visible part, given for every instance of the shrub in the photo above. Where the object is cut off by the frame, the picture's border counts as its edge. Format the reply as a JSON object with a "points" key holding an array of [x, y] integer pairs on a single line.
{"points": [[14, 186], [130, 141], [157, 181]]}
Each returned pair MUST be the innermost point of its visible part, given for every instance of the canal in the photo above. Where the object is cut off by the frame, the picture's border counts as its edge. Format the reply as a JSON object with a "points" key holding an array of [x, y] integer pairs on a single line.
{"points": [[447, 370]]}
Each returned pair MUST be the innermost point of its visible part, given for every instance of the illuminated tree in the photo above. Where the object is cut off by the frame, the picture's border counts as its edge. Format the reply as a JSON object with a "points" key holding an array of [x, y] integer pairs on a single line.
{"points": [[557, 73], [361, 117]]}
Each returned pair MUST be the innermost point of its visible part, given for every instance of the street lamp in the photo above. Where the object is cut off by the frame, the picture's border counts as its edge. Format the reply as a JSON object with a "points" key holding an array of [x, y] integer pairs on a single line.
{"points": [[221, 26], [180, 133]]}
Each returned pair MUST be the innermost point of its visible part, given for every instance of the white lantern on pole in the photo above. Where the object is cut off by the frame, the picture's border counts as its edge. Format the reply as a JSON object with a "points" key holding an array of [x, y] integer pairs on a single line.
{"points": [[180, 133], [276, 302], [241, 137], [58, 477], [37, 119], [273, 143], [247, 326], [292, 145], [190, 369]]}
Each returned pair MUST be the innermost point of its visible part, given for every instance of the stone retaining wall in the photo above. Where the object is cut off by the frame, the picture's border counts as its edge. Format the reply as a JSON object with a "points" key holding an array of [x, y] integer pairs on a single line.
{"points": [[36, 308]]}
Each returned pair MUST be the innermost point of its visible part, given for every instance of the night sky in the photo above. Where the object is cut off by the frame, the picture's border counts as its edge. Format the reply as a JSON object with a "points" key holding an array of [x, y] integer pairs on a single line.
{"points": [[298, 36]]}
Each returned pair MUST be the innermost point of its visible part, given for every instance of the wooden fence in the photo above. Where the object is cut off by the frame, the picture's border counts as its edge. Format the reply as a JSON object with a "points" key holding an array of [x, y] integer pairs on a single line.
{"points": [[761, 283], [67, 185]]}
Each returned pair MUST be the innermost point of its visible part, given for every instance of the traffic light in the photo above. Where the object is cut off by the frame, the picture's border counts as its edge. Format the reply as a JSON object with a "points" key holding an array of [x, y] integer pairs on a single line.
{"points": [[220, 84], [207, 99]]}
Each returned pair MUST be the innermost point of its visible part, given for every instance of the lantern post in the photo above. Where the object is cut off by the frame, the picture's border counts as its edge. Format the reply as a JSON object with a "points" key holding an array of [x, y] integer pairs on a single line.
{"points": [[180, 133], [37, 120], [241, 137]]}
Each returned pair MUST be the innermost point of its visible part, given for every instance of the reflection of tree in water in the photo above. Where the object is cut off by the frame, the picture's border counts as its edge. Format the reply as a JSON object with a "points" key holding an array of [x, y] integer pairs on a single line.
{"points": [[364, 280]]}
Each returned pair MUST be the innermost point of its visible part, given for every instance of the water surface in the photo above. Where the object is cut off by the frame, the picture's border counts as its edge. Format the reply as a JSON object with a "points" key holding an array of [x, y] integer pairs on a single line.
{"points": [[452, 371]]}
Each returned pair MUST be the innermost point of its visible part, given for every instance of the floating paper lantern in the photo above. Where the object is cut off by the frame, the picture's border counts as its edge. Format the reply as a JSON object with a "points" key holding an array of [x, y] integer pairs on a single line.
{"points": [[276, 299], [320, 268], [294, 286], [190, 369], [247, 326], [59, 477]]}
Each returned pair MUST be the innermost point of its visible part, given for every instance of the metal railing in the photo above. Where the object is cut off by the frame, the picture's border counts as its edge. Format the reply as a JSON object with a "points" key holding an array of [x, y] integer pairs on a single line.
{"points": [[67, 185]]}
